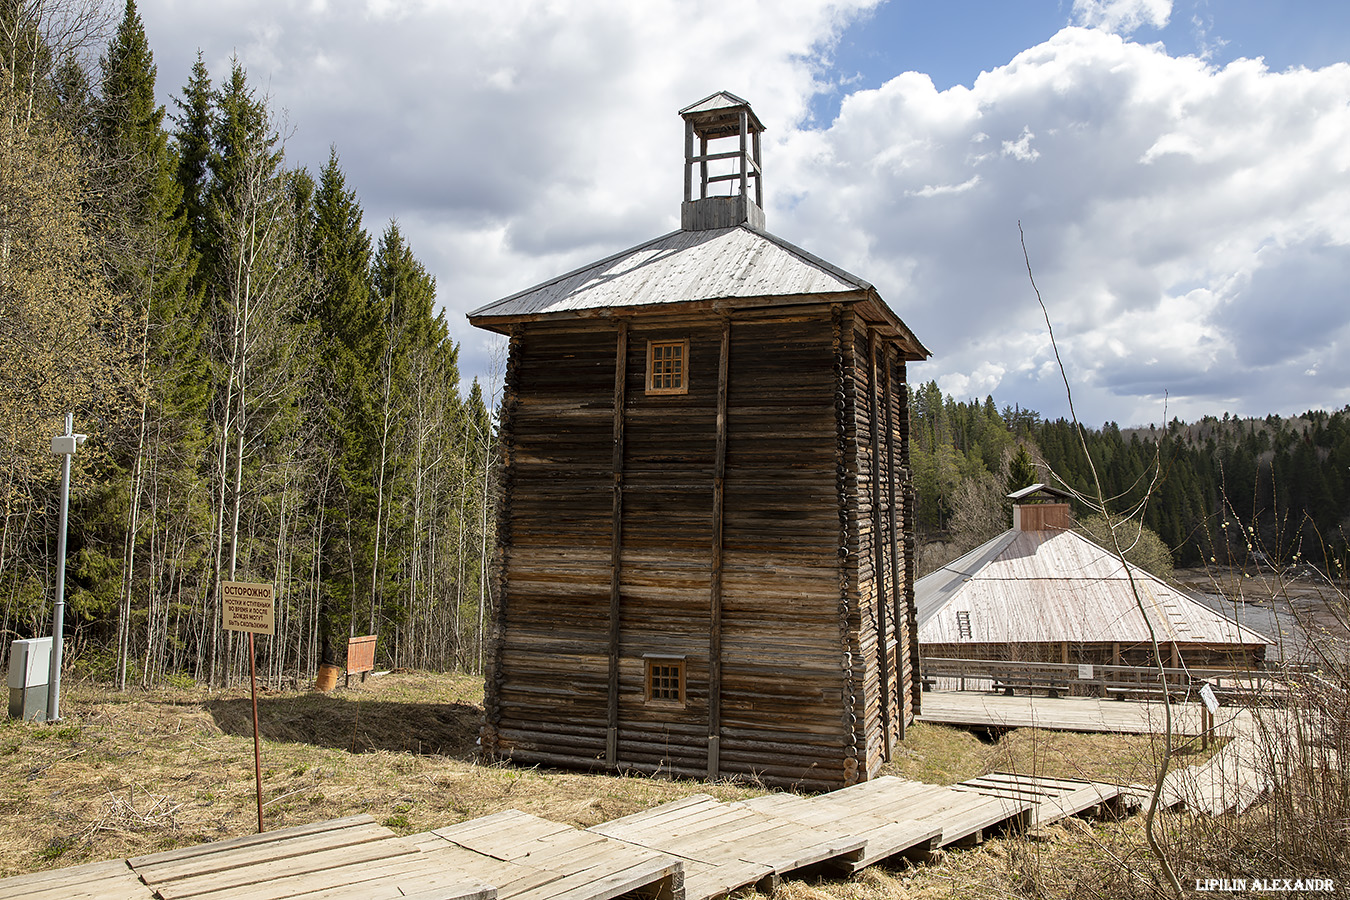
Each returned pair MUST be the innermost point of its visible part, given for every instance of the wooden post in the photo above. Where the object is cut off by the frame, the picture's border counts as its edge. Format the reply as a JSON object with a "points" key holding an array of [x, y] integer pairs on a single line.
{"points": [[745, 128], [907, 517], [896, 616], [878, 552], [703, 166], [759, 174], [715, 611], [688, 161], [1115, 653], [616, 545]]}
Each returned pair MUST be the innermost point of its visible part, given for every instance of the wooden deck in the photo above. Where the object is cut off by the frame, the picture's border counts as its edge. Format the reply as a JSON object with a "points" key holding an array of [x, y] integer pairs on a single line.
{"points": [[529, 858], [343, 859], [112, 880], [1052, 799], [1230, 781], [726, 846], [697, 848], [897, 817], [971, 709]]}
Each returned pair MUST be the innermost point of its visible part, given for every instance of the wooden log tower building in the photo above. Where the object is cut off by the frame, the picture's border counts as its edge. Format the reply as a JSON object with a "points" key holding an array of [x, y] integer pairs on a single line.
{"points": [[705, 557]]}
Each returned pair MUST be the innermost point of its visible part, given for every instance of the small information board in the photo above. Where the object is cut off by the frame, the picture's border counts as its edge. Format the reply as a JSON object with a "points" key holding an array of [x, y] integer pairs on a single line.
{"points": [[1209, 698], [1084, 671], [248, 607]]}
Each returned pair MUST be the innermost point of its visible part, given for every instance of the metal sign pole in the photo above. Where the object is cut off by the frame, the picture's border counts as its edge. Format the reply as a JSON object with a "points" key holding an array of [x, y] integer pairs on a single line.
{"points": [[251, 608], [257, 751], [64, 445]]}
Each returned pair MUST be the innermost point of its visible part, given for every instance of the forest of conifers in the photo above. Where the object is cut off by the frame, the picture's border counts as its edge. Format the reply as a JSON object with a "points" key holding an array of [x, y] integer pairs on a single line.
{"points": [[1229, 491], [269, 394]]}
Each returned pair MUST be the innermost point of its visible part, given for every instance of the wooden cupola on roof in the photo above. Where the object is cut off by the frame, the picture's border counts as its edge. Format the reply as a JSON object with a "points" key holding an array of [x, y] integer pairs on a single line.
{"points": [[1039, 507], [721, 118]]}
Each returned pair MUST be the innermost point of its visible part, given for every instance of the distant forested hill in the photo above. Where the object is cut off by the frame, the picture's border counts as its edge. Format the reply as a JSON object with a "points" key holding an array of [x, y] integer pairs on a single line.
{"points": [[1225, 488]]}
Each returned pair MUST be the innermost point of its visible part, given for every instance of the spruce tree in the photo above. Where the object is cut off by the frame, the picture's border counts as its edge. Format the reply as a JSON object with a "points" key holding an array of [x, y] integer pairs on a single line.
{"points": [[147, 256], [349, 346], [192, 138]]}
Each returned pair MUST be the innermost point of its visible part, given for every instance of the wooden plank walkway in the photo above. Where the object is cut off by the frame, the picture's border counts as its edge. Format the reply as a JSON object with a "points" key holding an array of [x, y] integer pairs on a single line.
{"points": [[697, 848], [1052, 798], [529, 858], [342, 859], [112, 880], [1230, 781], [726, 846], [884, 838], [964, 819], [898, 817], [1092, 714]]}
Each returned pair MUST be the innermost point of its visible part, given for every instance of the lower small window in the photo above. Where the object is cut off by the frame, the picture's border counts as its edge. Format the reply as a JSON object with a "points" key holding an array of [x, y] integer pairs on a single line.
{"points": [[665, 680]]}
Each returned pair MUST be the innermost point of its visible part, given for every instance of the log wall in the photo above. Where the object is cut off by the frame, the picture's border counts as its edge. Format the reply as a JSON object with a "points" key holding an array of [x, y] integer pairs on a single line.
{"points": [[736, 526]]}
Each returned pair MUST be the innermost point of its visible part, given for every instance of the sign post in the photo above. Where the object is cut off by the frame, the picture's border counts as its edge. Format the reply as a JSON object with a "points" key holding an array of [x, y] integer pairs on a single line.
{"points": [[250, 608], [63, 445], [1207, 713]]}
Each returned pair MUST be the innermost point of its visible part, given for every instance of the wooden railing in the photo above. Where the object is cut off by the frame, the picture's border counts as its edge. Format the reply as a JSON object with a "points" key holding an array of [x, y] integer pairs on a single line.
{"points": [[1106, 681]]}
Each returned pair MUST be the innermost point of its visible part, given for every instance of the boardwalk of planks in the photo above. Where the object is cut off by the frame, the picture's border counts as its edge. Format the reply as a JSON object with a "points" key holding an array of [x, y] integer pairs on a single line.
{"points": [[1230, 781], [693, 849], [1052, 799], [1057, 714]]}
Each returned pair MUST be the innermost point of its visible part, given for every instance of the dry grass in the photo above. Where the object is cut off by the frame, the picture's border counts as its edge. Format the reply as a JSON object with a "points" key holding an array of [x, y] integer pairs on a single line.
{"points": [[142, 771], [131, 773], [940, 755]]}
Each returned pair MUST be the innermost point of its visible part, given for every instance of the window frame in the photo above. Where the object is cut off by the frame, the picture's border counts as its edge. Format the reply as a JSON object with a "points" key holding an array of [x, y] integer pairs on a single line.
{"points": [[683, 388], [650, 662]]}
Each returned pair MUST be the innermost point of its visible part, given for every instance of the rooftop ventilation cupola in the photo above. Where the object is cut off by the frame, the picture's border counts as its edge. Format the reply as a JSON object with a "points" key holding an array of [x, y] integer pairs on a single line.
{"points": [[729, 177], [1039, 507]]}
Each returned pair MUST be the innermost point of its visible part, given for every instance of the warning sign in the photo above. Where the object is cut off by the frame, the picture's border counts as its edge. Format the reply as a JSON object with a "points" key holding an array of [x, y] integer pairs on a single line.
{"points": [[247, 607]]}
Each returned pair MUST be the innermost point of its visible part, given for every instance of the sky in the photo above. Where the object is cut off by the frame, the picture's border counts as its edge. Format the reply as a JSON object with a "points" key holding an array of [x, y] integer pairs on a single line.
{"points": [[1178, 169]]}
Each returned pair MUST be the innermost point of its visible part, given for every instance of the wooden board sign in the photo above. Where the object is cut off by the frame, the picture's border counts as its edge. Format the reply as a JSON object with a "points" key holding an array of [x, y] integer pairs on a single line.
{"points": [[247, 607], [361, 655]]}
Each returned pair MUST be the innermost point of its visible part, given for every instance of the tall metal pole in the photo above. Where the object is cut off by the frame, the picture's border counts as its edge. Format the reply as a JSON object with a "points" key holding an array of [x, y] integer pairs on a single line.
{"points": [[257, 749], [64, 445]]}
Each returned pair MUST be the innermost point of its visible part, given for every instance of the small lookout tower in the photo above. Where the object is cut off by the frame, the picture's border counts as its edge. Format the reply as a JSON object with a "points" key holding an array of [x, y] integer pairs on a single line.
{"points": [[705, 556], [721, 118]]}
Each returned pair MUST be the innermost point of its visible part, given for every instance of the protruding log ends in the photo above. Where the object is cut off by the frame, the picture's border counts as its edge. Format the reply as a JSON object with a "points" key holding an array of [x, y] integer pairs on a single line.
{"points": [[489, 737]]}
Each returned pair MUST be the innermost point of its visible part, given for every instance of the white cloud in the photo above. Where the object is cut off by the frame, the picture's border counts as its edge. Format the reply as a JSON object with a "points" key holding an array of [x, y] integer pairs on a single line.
{"points": [[1122, 16], [1021, 148], [1189, 225]]}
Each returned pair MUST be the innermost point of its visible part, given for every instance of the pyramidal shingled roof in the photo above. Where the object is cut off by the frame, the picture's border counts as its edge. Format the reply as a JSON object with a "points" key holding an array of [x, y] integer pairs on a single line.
{"points": [[1050, 586], [739, 266], [684, 266]]}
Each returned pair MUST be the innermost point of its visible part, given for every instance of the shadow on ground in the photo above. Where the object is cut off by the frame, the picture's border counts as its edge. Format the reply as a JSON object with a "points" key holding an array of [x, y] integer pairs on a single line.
{"points": [[357, 726]]}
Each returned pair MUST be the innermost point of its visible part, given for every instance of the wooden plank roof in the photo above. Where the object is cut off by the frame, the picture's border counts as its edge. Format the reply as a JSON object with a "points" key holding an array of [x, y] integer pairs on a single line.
{"points": [[731, 267], [1051, 586]]}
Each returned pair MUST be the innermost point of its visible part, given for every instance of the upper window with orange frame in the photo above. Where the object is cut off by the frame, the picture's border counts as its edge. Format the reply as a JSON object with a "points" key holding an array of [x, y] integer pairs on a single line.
{"points": [[667, 367]]}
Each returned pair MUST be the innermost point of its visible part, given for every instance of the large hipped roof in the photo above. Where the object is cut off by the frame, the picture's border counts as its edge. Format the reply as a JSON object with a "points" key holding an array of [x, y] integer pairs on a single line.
{"points": [[739, 266], [1052, 586]]}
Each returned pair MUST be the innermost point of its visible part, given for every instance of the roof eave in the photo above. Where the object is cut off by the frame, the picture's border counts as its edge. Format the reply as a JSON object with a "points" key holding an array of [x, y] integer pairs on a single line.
{"points": [[714, 305]]}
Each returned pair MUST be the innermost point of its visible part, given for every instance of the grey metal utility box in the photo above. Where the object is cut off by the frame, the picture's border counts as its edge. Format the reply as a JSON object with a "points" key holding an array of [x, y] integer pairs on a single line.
{"points": [[30, 664]]}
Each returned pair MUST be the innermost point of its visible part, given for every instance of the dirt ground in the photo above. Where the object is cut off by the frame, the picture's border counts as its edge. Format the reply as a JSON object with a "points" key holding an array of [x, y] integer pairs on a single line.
{"points": [[134, 772]]}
